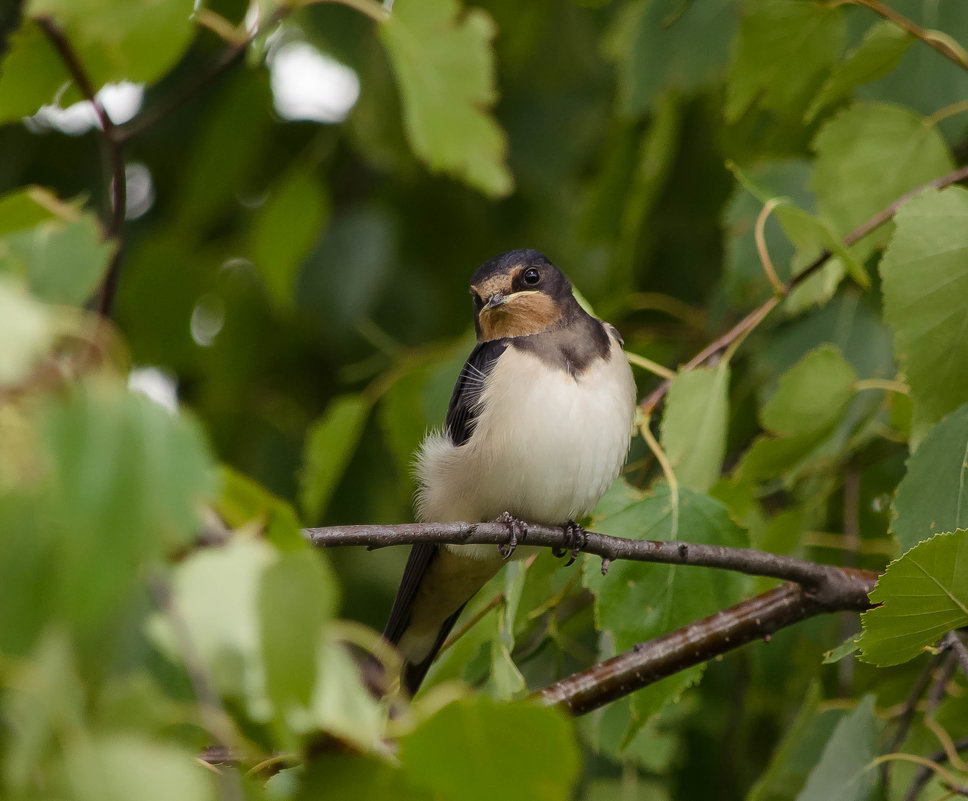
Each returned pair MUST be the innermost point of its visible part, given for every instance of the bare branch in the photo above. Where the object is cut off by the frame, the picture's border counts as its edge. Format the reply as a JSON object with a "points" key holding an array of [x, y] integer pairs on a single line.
{"points": [[953, 641], [112, 149], [757, 618], [818, 580]]}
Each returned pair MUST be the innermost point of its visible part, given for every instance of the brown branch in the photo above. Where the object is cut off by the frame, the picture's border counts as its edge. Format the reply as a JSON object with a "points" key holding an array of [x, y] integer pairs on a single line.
{"points": [[915, 30], [112, 149], [751, 320], [820, 581], [757, 618]]}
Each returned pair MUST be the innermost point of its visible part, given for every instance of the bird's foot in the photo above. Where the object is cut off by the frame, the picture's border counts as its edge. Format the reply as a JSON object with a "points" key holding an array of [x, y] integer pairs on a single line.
{"points": [[517, 529], [575, 537]]}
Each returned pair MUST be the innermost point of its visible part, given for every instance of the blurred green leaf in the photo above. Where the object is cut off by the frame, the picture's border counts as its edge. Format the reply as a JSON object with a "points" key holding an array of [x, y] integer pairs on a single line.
{"points": [[465, 753], [812, 395], [31, 73], [798, 752], [120, 767], [665, 44], [925, 298], [922, 595], [284, 231], [243, 500], [330, 443], [444, 67], [780, 54], [693, 431], [932, 496], [118, 40], [844, 770], [882, 47], [215, 601], [297, 597], [64, 262], [26, 331], [356, 778]]}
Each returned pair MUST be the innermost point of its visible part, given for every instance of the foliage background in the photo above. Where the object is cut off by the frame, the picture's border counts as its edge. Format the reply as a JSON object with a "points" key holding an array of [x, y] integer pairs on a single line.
{"points": [[305, 286]]}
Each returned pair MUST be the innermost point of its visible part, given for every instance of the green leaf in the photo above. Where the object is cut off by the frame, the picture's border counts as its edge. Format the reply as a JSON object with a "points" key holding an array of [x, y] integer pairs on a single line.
{"points": [[665, 44], [444, 67], [31, 73], [636, 602], [355, 778], [479, 750], [215, 594], [867, 157], [933, 495], [693, 431], [120, 767], [878, 54], [922, 596], [242, 500], [284, 231], [330, 444], [26, 332], [812, 395], [64, 262], [297, 596], [844, 769], [798, 751], [117, 40], [780, 53], [925, 287], [126, 484]]}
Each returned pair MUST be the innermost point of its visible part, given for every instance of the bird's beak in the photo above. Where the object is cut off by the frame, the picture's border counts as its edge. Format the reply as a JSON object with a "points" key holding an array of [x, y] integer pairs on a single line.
{"points": [[497, 299]]}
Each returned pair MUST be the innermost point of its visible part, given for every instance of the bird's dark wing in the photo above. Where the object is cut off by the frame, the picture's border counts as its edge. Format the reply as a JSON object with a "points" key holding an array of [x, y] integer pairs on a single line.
{"points": [[464, 406], [421, 555]]}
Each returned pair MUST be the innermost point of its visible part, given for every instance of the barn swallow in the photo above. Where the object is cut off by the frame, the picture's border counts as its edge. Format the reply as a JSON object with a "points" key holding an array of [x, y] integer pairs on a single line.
{"points": [[538, 427]]}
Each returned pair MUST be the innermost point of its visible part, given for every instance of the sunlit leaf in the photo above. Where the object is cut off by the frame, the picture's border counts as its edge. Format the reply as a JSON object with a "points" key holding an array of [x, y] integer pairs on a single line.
{"points": [[444, 67], [922, 595]]}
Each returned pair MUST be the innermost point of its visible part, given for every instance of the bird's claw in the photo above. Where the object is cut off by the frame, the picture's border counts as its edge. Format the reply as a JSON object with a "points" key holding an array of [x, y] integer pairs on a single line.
{"points": [[575, 537], [517, 529]]}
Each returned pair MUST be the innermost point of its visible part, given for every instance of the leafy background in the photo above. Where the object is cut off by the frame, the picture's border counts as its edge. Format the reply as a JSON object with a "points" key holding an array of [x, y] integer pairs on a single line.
{"points": [[303, 286]]}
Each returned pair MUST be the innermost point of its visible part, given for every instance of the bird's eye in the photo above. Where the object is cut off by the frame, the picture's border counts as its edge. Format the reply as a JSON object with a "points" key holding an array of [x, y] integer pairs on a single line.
{"points": [[477, 299], [531, 276]]}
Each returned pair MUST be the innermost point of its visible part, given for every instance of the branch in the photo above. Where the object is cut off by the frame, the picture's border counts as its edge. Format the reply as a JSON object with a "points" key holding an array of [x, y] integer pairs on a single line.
{"points": [[949, 50], [924, 774], [757, 618], [751, 320], [953, 641], [824, 583], [112, 148]]}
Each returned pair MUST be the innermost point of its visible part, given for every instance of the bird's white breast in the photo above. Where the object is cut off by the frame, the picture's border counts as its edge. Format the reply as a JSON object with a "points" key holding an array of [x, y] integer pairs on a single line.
{"points": [[545, 447]]}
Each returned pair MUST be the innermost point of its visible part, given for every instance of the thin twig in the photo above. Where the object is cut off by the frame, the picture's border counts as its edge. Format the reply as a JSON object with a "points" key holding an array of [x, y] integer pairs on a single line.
{"points": [[816, 579], [929, 38], [952, 641], [112, 147], [756, 618], [924, 774], [753, 319]]}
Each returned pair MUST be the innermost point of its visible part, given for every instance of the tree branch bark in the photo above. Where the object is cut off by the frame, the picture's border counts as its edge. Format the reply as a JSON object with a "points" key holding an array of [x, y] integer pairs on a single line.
{"points": [[754, 619]]}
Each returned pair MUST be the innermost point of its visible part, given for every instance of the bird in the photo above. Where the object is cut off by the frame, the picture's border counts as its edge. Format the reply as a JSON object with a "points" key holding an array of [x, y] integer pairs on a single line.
{"points": [[538, 427]]}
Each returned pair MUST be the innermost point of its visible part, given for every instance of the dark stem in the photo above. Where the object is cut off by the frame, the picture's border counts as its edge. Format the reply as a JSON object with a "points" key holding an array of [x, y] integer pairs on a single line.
{"points": [[756, 618], [952, 641], [822, 582], [753, 319], [112, 148]]}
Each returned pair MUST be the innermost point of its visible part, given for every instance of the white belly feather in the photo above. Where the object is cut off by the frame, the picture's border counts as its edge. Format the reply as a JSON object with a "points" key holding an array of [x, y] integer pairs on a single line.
{"points": [[545, 446]]}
